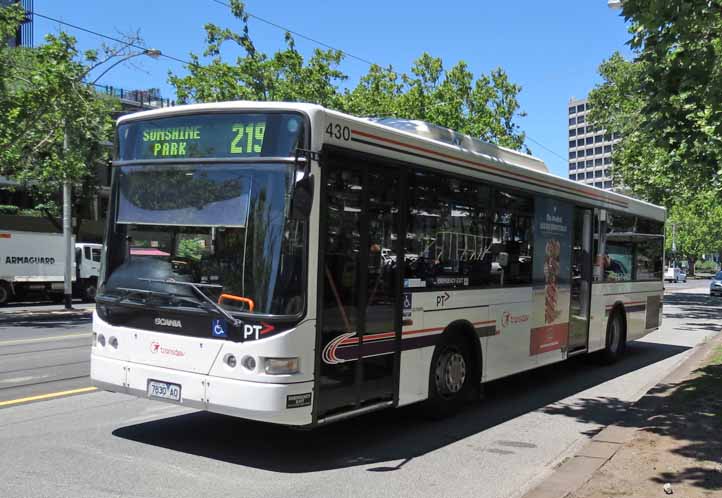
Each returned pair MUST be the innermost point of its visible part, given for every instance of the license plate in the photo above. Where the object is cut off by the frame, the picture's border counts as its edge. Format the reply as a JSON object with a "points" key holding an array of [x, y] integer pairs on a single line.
{"points": [[164, 390]]}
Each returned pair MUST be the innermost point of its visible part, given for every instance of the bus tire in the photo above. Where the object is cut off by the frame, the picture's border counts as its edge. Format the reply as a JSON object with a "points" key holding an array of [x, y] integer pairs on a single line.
{"points": [[6, 293], [450, 381], [616, 340]]}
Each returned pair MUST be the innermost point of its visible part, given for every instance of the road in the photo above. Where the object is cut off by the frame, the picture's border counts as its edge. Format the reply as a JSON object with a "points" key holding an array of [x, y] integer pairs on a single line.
{"points": [[108, 445]]}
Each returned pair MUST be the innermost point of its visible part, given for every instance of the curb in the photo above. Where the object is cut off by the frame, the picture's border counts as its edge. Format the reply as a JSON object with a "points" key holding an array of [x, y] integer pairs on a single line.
{"points": [[576, 471], [29, 314]]}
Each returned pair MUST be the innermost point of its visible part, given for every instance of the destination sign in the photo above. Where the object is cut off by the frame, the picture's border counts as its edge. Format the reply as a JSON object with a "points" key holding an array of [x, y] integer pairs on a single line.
{"points": [[211, 136]]}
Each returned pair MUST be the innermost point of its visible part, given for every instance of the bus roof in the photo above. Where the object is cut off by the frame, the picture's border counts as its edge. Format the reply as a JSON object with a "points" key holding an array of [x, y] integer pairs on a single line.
{"points": [[407, 139]]}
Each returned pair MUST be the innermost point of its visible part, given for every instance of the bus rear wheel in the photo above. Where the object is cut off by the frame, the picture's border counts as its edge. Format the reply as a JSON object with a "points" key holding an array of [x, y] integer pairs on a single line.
{"points": [[450, 382], [616, 340]]}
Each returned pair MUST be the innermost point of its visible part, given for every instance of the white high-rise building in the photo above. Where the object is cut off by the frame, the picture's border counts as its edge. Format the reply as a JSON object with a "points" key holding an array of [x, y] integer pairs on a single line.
{"points": [[590, 149]]}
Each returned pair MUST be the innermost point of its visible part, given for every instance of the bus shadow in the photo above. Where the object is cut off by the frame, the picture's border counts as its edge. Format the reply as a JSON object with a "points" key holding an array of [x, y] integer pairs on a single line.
{"points": [[396, 436]]}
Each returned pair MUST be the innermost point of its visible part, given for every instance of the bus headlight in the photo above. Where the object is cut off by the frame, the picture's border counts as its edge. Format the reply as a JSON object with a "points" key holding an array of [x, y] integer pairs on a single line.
{"points": [[281, 366]]}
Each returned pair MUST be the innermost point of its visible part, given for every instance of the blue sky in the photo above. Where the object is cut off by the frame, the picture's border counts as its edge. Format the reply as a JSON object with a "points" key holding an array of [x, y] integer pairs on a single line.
{"points": [[552, 49]]}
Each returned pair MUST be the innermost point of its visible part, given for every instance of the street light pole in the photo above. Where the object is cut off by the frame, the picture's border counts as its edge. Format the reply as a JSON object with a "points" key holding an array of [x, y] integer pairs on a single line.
{"points": [[68, 192], [67, 235]]}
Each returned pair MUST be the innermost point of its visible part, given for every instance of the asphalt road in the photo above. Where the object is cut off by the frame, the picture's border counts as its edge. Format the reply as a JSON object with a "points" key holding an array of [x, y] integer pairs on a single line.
{"points": [[108, 445], [40, 355]]}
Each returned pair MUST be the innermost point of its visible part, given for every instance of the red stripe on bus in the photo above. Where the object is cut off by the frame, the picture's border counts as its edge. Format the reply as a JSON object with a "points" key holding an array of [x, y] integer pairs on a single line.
{"points": [[494, 168]]}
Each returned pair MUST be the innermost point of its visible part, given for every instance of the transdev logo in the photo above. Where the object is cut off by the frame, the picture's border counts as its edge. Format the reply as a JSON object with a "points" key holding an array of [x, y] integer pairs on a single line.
{"points": [[156, 348], [509, 319]]}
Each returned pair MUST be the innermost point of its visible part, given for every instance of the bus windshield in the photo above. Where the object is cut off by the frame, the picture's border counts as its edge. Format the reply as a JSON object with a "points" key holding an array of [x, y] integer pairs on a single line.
{"points": [[225, 227]]}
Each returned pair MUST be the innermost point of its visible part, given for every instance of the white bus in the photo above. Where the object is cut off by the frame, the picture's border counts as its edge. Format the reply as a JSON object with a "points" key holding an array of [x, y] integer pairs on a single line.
{"points": [[290, 264]]}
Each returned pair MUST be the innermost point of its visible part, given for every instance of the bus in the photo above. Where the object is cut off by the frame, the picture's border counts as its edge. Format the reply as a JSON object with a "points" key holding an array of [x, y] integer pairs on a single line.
{"points": [[286, 263]]}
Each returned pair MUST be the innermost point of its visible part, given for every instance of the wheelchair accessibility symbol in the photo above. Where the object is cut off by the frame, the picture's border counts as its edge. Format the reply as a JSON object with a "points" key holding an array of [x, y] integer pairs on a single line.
{"points": [[219, 328]]}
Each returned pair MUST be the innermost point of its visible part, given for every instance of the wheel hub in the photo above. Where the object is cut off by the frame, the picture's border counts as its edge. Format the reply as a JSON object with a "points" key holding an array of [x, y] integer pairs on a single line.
{"points": [[450, 373]]}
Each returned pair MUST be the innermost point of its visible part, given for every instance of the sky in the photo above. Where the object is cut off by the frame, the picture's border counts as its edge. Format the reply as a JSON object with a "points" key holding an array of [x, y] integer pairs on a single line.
{"points": [[551, 49]]}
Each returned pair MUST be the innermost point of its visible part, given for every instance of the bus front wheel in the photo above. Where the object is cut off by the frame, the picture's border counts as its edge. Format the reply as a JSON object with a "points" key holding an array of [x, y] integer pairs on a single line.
{"points": [[450, 382]]}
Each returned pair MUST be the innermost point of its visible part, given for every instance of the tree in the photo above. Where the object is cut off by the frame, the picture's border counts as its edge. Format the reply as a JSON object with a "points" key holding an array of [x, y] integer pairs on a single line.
{"points": [[667, 102], [53, 125], [697, 228], [485, 107]]}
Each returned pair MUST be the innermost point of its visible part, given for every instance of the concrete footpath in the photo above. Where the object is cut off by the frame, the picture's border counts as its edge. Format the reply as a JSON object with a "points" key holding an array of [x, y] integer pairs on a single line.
{"points": [[575, 472]]}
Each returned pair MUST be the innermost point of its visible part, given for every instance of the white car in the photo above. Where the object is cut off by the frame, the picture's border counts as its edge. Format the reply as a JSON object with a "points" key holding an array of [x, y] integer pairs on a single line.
{"points": [[675, 275]]}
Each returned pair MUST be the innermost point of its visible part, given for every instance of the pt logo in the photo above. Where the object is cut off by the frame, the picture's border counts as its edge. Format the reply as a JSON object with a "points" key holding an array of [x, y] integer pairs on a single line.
{"points": [[255, 331], [442, 299]]}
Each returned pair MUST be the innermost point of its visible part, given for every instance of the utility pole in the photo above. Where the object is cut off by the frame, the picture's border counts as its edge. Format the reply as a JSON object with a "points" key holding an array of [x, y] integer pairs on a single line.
{"points": [[674, 243], [67, 234]]}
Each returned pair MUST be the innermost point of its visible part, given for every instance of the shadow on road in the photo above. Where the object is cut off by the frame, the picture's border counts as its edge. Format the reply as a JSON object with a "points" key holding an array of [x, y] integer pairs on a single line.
{"points": [[391, 435]]}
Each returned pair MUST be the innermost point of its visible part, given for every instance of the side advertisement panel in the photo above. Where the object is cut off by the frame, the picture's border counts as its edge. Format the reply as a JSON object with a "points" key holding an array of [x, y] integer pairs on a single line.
{"points": [[551, 275]]}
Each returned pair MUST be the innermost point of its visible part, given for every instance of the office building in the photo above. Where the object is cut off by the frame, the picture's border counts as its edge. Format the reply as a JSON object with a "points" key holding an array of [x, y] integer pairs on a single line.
{"points": [[24, 35], [590, 149]]}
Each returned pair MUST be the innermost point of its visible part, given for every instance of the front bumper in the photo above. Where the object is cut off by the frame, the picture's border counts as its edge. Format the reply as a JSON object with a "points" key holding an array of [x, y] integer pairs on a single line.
{"points": [[265, 402]]}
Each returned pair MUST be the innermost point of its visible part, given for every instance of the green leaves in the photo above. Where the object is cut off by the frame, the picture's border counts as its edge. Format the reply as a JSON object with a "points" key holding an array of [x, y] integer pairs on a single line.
{"points": [[44, 96], [484, 107], [666, 104]]}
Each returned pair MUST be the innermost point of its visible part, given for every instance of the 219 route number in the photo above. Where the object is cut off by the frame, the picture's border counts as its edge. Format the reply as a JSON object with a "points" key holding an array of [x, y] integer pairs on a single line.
{"points": [[338, 132]]}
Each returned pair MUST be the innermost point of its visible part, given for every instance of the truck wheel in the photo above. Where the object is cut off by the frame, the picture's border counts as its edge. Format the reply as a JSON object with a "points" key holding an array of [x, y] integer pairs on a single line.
{"points": [[5, 293], [90, 289], [616, 338], [450, 377]]}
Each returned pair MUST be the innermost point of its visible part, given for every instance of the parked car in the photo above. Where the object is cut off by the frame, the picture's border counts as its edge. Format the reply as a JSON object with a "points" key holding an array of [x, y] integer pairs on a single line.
{"points": [[674, 274], [715, 287]]}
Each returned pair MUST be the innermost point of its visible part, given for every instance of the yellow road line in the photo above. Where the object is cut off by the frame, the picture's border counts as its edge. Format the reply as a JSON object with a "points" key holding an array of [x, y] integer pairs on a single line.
{"points": [[47, 396], [18, 342]]}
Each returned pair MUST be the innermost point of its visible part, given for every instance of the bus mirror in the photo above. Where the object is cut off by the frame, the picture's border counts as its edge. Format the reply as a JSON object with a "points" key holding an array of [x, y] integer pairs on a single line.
{"points": [[302, 198], [503, 259]]}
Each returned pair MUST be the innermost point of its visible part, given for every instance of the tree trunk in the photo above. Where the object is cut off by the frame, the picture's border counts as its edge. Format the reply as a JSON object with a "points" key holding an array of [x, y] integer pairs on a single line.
{"points": [[691, 261]]}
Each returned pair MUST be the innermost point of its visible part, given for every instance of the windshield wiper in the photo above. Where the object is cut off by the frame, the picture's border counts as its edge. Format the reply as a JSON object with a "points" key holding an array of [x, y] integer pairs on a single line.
{"points": [[196, 287], [130, 291]]}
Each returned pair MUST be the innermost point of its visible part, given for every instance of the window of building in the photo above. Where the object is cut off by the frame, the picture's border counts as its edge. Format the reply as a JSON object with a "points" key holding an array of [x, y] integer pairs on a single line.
{"points": [[580, 119], [580, 153], [572, 176], [607, 172], [572, 166], [589, 163], [572, 155], [607, 137], [597, 150], [572, 132], [607, 148], [572, 143], [598, 161], [590, 174], [580, 142], [580, 108], [598, 184], [580, 131], [598, 173], [608, 184], [607, 160], [572, 109], [572, 121], [590, 140], [598, 139]]}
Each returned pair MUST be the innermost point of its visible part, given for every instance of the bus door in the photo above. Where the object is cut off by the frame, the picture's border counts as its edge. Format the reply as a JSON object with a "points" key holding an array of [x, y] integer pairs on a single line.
{"points": [[581, 263], [360, 315]]}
